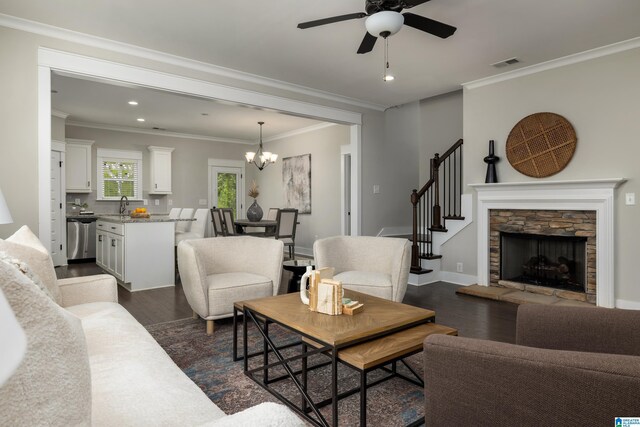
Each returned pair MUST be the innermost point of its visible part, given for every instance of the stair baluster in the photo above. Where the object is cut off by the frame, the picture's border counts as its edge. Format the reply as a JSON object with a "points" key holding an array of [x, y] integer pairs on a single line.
{"points": [[427, 210]]}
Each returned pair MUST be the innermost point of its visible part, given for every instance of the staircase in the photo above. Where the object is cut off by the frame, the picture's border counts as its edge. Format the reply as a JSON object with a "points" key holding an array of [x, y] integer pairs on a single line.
{"points": [[439, 201]]}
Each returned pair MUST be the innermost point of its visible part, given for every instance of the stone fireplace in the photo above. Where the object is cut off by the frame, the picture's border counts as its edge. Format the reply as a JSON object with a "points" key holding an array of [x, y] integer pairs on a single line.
{"points": [[582, 209], [544, 251]]}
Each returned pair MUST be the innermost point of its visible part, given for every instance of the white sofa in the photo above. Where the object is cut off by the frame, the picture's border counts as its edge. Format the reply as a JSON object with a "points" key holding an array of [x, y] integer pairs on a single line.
{"points": [[118, 376], [377, 266]]}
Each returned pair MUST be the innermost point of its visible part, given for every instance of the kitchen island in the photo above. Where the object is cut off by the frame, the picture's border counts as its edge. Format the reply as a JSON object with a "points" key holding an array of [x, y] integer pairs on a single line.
{"points": [[138, 252]]}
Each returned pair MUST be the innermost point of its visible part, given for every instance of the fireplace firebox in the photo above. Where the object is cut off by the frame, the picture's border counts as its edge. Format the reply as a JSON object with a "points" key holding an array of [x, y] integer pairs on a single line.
{"points": [[552, 261]]}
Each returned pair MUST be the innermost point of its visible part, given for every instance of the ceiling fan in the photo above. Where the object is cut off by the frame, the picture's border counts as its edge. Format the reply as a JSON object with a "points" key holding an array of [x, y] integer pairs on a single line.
{"points": [[384, 19]]}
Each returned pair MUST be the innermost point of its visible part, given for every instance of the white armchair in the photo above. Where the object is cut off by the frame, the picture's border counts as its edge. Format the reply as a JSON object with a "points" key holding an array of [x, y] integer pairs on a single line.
{"points": [[218, 271], [377, 266]]}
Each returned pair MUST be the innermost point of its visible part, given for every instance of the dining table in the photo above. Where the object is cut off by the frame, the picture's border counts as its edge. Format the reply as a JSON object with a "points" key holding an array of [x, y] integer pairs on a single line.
{"points": [[269, 227]]}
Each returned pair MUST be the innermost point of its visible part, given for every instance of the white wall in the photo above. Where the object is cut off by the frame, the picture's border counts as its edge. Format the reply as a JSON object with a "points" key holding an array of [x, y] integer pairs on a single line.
{"points": [[600, 98], [57, 128], [324, 147]]}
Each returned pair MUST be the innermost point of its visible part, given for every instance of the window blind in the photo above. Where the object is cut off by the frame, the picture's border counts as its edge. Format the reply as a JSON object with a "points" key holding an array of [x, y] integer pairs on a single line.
{"points": [[120, 178]]}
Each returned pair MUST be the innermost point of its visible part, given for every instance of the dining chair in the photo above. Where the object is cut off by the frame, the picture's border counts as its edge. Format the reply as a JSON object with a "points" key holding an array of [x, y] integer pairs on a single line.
{"points": [[174, 213], [287, 220], [272, 215], [218, 223], [227, 216], [197, 227], [184, 226]]}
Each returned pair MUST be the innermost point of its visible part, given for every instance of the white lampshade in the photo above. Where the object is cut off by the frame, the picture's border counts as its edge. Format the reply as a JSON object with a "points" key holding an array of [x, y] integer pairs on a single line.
{"points": [[13, 342], [5, 215], [385, 21], [274, 157], [249, 155]]}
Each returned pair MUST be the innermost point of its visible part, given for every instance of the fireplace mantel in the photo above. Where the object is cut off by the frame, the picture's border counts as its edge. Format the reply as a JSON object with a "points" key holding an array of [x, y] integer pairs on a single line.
{"points": [[596, 195]]}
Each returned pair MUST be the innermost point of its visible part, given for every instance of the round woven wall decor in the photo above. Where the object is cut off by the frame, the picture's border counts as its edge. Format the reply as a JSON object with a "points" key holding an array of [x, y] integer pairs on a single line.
{"points": [[541, 144]]}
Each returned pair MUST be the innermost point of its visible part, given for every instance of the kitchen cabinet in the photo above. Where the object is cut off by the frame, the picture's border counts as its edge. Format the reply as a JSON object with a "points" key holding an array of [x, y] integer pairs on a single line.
{"points": [[139, 253], [160, 168], [78, 165]]}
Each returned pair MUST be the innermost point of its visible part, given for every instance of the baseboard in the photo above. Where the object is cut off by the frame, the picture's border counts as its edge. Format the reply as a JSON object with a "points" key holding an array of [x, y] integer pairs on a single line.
{"points": [[626, 304], [442, 276], [301, 251]]}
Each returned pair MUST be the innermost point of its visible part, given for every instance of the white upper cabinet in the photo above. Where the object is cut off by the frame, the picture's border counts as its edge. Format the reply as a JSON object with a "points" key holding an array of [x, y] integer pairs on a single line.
{"points": [[160, 170], [78, 165]]}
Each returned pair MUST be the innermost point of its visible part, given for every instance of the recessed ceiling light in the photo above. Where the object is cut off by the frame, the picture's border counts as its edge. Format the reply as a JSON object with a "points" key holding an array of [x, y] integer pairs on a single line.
{"points": [[204, 114], [140, 119], [133, 102]]}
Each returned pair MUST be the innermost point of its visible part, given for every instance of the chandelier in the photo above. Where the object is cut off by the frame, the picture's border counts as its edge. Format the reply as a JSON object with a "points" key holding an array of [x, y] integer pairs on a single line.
{"points": [[261, 158]]}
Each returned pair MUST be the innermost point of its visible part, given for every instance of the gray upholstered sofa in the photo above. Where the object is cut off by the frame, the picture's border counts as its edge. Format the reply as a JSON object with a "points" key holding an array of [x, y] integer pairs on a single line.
{"points": [[89, 362], [571, 366], [376, 266]]}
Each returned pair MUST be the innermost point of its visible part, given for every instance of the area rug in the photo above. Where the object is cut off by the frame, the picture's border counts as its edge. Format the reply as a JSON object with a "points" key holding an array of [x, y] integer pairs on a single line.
{"points": [[207, 361]]}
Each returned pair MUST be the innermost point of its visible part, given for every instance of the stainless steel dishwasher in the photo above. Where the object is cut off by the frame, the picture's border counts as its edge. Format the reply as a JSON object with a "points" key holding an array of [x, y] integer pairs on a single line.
{"points": [[81, 238]]}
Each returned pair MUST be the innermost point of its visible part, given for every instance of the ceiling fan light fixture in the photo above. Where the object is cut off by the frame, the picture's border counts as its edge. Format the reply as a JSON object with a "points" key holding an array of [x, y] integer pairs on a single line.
{"points": [[385, 21], [388, 77]]}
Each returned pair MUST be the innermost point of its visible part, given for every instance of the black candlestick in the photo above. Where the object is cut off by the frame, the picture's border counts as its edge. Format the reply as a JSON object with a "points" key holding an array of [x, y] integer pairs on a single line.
{"points": [[491, 161]]}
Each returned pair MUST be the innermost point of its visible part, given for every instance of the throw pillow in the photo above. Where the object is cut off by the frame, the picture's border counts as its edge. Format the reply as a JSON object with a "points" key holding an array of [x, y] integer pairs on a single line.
{"points": [[25, 246], [52, 385], [24, 268]]}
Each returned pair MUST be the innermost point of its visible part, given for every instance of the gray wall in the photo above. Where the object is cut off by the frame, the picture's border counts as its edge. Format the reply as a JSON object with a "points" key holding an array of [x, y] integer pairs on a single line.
{"points": [[324, 147], [189, 166], [57, 128], [600, 99], [18, 149]]}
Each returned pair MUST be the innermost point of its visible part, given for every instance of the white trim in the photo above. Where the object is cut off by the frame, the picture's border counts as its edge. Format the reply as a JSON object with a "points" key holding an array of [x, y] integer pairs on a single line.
{"points": [[595, 195], [44, 156], [50, 60], [626, 304], [155, 132], [404, 230], [58, 146], [59, 114], [118, 154], [226, 163], [458, 278], [166, 58], [100, 68], [356, 179], [345, 150], [295, 132], [556, 63]]}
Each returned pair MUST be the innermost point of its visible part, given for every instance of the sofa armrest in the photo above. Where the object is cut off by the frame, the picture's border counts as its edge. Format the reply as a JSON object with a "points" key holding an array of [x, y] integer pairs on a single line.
{"points": [[484, 383], [82, 290], [597, 330], [264, 415]]}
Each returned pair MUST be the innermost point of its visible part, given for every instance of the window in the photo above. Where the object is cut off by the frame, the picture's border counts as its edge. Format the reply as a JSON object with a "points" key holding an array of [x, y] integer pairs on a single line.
{"points": [[119, 174]]}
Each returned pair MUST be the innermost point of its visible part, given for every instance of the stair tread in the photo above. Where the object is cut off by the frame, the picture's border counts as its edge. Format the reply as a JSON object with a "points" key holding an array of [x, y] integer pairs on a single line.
{"points": [[438, 230], [425, 256], [454, 217]]}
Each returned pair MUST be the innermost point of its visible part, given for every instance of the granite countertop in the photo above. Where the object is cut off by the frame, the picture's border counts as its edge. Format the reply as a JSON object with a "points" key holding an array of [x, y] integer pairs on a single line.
{"points": [[126, 219]]}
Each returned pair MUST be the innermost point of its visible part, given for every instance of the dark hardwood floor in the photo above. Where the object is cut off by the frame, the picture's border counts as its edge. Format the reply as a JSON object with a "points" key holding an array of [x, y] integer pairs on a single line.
{"points": [[473, 317]]}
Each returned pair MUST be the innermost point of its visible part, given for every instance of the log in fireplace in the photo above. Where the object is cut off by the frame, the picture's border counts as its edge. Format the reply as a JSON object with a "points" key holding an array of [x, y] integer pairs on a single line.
{"points": [[552, 261]]}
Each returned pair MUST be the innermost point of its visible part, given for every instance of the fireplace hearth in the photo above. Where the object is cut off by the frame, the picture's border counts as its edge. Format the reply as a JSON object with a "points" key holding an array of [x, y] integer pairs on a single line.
{"points": [[552, 261]]}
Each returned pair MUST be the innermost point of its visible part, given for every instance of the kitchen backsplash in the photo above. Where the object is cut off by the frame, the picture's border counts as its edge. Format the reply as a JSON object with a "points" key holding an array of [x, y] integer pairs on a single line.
{"points": [[107, 207]]}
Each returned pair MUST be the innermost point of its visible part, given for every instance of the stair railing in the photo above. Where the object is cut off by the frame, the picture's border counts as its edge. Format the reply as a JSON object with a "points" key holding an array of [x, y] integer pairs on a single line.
{"points": [[442, 192]]}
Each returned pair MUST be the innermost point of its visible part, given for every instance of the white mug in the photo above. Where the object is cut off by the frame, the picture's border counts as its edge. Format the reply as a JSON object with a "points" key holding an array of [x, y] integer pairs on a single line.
{"points": [[304, 293]]}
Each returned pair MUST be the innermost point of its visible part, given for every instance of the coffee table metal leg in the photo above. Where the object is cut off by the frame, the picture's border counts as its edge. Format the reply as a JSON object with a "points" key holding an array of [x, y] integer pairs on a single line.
{"points": [[363, 398], [245, 353], [235, 335], [265, 357], [304, 377], [334, 386]]}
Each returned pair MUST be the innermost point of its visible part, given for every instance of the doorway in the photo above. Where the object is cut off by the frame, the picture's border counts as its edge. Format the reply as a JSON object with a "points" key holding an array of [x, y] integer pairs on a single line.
{"points": [[226, 185], [345, 182], [58, 222]]}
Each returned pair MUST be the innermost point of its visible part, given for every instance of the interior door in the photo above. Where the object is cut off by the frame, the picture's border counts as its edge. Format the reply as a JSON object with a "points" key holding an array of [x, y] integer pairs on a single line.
{"points": [[58, 220], [226, 188]]}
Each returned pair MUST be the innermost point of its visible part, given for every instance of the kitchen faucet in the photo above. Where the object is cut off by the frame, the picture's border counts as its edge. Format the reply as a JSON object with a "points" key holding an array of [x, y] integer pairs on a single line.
{"points": [[123, 201]]}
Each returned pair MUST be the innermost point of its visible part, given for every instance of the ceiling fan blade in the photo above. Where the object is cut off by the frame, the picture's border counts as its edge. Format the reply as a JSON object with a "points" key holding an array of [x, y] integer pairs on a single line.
{"points": [[367, 43], [411, 3], [331, 20], [427, 25]]}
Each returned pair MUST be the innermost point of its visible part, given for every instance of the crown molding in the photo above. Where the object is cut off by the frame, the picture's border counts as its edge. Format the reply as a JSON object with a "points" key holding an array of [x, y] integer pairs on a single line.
{"points": [[557, 63], [60, 114], [300, 131], [47, 30], [155, 132]]}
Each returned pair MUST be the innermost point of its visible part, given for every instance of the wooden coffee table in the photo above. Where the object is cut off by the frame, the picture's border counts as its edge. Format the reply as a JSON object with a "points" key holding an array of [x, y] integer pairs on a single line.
{"points": [[386, 332]]}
